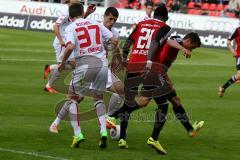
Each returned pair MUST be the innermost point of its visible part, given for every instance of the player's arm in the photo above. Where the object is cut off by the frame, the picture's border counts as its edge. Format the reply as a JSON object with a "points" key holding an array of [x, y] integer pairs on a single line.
{"points": [[230, 47], [70, 45], [174, 44], [67, 52], [161, 36], [127, 45], [91, 8], [229, 44], [126, 49], [159, 39], [56, 29]]}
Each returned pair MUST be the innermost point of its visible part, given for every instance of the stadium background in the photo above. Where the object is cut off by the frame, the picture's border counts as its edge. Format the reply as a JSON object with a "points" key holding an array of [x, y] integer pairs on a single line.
{"points": [[26, 110]]}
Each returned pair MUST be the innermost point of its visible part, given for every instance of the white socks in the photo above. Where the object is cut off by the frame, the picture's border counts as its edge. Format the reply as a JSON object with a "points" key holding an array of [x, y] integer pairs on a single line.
{"points": [[74, 117], [101, 113]]}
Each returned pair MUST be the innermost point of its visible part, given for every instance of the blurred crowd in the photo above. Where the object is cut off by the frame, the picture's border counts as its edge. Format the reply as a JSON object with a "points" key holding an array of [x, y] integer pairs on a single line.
{"points": [[221, 8]]}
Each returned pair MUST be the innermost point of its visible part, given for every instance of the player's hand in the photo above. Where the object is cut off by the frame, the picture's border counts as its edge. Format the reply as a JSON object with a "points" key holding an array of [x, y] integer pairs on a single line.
{"points": [[61, 67], [62, 43], [187, 53], [116, 63], [91, 8], [148, 68], [234, 54]]}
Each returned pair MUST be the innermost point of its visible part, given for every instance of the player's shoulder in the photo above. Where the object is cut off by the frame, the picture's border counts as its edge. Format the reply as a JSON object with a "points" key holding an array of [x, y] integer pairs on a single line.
{"points": [[153, 22], [91, 21], [178, 38], [115, 32]]}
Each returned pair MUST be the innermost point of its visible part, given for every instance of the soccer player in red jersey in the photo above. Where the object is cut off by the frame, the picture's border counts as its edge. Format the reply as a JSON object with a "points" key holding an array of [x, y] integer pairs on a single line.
{"points": [[166, 56], [141, 39], [235, 36]]}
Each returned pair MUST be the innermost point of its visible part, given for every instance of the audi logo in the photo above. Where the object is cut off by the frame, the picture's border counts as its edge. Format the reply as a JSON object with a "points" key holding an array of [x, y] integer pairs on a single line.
{"points": [[217, 25]]}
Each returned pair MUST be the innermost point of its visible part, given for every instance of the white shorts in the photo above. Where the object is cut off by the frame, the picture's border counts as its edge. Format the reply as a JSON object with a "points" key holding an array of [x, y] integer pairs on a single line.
{"points": [[89, 78], [112, 78], [59, 50]]}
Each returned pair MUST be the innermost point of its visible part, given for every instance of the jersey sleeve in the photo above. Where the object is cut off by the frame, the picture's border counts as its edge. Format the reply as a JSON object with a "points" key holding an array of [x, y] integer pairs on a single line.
{"points": [[61, 20], [134, 34], [176, 38], [163, 34], [233, 35], [70, 37], [106, 33], [115, 33]]}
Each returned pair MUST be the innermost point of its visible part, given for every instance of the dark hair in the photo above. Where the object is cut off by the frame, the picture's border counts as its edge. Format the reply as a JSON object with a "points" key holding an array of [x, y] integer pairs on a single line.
{"points": [[76, 10], [194, 37], [161, 12], [111, 10], [149, 3]]}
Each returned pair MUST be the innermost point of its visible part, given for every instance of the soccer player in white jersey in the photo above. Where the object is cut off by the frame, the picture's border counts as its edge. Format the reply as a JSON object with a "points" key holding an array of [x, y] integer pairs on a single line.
{"points": [[149, 8], [85, 40], [59, 45], [114, 83]]}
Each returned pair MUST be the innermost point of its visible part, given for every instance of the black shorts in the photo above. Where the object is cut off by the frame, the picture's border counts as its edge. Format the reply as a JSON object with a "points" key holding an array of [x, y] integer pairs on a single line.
{"points": [[171, 95], [238, 63]]}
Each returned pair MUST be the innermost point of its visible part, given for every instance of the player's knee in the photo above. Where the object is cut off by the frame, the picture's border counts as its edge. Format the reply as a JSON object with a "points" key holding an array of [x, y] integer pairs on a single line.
{"points": [[143, 101], [75, 98], [176, 101], [80, 99], [237, 76]]}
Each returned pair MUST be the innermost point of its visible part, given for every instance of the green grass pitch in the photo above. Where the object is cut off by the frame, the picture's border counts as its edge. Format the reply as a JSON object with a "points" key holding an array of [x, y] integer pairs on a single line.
{"points": [[26, 111]]}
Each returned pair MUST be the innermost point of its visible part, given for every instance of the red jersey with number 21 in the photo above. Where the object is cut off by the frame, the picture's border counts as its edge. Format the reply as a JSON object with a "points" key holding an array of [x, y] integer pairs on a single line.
{"points": [[142, 36]]}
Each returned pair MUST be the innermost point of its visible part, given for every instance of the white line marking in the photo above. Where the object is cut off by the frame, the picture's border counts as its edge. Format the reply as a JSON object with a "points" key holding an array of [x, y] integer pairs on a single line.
{"points": [[34, 154], [176, 63], [26, 50], [27, 60]]}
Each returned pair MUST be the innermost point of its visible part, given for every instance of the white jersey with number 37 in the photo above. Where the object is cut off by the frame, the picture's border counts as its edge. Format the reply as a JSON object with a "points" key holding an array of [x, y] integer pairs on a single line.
{"points": [[88, 36]]}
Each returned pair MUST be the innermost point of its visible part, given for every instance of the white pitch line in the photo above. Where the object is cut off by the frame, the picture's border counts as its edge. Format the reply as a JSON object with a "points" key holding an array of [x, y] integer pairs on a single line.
{"points": [[26, 50], [34, 154], [27, 60], [202, 64], [50, 60]]}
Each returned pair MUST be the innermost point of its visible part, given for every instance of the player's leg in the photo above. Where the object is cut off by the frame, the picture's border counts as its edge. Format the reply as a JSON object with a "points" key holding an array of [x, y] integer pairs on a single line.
{"points": [[160, 119], [74, 95], [75, 122], [101, 113], [118, 88], [131, 84], [60, 116], [182, 116], [48, 69], [99, 86], [231, 81], [53, 69]]}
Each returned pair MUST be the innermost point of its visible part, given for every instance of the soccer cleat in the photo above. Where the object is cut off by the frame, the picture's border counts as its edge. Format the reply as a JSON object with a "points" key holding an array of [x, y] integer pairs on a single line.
{"points": [[122, 144], [196, 128], [53, 128], [111, 122], [156, 145], [47, 70], [77, 140], [103, 140], [50, 90], [221, 91]]}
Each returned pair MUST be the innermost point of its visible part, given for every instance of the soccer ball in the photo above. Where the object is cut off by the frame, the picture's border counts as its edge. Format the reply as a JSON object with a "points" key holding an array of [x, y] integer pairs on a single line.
{"points": [[115, 133]]}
